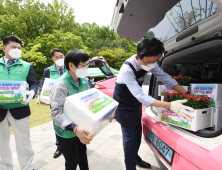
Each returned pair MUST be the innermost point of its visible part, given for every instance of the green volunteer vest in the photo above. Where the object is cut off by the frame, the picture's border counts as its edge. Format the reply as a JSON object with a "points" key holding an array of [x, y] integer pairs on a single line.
{"points": [[18, 72], [73, 89], [54, 73]]}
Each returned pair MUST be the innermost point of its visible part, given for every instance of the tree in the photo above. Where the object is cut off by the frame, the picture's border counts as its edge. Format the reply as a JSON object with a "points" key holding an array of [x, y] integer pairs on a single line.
{"points": [[42, 27], [29, 18], [36, 58], [33, 56], [1, 44], [46, 42], [115, 57]]}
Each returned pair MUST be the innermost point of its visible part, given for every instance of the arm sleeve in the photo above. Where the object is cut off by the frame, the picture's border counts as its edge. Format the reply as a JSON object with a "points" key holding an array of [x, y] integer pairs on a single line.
{"points": [[45, 75], [163, 77], [31, 80], [129, 79], [58, 95]]}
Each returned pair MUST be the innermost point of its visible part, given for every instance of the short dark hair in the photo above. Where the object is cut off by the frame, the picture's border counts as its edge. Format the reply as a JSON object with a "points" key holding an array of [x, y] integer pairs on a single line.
{"points": [[7, 39], [149, 47], [55, 50], [75, 56]]}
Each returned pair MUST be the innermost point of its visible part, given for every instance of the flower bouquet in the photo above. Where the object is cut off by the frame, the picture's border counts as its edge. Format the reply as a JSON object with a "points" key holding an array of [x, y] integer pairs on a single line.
{"points": [[183, 81], [215, 92], [202, 114]]}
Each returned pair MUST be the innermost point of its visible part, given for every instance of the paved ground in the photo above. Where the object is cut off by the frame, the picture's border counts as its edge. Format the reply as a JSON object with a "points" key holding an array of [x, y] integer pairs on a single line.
{"points": [[104, 153]]}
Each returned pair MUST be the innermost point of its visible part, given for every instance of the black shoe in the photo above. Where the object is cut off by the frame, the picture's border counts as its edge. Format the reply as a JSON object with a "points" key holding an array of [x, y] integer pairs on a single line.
{"points": [[143, 164], [57, 153]]}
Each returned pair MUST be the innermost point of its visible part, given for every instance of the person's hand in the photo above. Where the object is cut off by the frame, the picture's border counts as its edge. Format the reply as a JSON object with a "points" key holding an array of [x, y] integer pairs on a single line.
{"points": [[83, 135], [177, 107], [30, 95], [38, 100], [111, 119], [92, 85]]}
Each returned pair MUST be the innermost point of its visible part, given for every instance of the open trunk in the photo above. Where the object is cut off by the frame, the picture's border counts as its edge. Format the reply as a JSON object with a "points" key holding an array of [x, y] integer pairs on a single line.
{"points": [[203, 62]]}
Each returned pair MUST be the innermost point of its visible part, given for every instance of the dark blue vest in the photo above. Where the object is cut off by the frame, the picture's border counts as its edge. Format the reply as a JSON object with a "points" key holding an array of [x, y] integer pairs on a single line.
{"points": [[129, 111]]}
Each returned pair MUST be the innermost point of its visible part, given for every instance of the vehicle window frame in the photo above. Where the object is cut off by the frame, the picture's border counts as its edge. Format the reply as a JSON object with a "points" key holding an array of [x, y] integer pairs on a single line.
{"points": [[171, 21]]}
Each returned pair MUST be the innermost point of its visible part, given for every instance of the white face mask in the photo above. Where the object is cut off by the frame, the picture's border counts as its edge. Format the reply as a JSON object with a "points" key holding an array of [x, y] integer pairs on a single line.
{"points": [[59, 62], [81, 73], [148, 67], [15, 53]]}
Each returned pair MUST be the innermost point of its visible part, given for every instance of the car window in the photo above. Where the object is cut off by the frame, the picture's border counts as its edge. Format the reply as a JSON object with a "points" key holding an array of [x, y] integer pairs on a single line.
{"points": [[105, 69], [211, 70], [195, 71], [183, 15], [178, 68]]}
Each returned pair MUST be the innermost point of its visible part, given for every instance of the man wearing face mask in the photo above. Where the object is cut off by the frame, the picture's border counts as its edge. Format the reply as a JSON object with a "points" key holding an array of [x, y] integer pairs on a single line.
{"points": [[128, 92], [16, 115], [54, 72], [72, 138]]}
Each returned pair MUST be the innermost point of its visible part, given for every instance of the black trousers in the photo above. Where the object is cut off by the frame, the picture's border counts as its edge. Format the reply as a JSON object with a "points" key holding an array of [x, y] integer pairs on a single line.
{"points": [[74, 152], [131, 145], [57, 142]]}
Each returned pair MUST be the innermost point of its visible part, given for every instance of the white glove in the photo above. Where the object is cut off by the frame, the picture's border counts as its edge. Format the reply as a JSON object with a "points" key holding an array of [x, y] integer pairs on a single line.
{"points": [[30, 95], [177, 107]]}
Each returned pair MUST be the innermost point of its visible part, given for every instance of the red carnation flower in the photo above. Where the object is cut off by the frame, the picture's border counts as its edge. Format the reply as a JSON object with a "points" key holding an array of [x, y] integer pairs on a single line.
{"points": [[207, 100]]}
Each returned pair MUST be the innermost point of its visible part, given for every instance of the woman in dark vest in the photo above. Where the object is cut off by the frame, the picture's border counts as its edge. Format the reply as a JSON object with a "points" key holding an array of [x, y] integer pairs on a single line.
{"points": [[129, 94]]}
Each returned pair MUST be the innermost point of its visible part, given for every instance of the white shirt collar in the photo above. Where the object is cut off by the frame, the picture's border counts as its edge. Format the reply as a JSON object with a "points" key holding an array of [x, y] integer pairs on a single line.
{"points": [[6, 60], [59, 67]]}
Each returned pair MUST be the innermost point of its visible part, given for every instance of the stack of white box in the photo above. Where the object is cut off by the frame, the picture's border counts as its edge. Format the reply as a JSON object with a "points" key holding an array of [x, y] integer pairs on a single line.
{"points": [[45, 93], [214, 91], [91, 109]]}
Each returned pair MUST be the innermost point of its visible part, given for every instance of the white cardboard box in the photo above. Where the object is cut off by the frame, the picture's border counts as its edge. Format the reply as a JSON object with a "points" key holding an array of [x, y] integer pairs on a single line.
{"points": [[211, 90], [217, 118], [91, 109], [45, 93], [202, 119], [13, 91], [163, 88]]}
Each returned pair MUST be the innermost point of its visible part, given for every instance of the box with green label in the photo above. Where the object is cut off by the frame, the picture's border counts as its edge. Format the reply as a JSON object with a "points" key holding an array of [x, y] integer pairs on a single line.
{"points": [[13, 91], [202, 119], [91, 109], [45, 93]]}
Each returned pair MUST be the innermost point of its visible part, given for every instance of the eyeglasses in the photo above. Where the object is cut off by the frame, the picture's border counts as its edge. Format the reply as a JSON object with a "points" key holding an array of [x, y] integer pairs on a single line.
{"points": [[143, 62], [149, 63], [85, 65]]}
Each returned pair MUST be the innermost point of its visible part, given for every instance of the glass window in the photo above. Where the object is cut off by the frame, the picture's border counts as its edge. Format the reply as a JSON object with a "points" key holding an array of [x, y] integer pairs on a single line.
{"points": [[183, 15], [105, 70], [211, 70], [178, 68], [195, 72]]}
